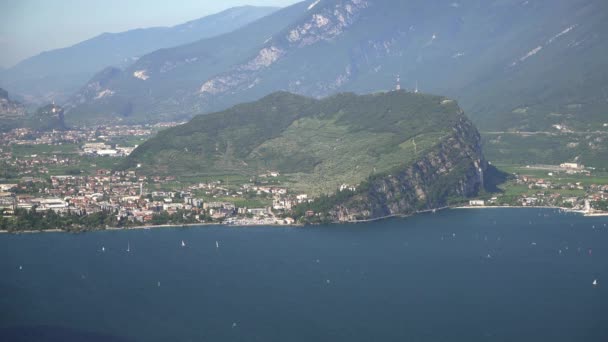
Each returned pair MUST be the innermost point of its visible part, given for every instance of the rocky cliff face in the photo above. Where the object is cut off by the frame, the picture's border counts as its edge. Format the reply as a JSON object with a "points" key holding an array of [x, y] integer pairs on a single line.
{"points": [[454, 170]]}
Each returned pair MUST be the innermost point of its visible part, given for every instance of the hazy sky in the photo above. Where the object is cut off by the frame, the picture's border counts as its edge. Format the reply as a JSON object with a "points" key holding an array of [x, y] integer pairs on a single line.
{"points": [[28, 27]]}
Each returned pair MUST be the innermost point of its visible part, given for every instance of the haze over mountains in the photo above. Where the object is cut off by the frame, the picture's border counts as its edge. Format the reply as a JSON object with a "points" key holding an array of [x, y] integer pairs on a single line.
{"points": [[56, 74], [513, 65]]}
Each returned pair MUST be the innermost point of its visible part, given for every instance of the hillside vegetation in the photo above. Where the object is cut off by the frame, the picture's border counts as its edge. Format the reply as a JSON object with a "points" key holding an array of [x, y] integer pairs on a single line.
{"points": [[317, 145]]}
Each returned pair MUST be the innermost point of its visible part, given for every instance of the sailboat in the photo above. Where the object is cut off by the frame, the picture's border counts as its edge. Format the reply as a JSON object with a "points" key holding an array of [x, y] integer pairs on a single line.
{"points": [[128, 247], [183, 243], [103, 249], [594, 282], [217, 245]]}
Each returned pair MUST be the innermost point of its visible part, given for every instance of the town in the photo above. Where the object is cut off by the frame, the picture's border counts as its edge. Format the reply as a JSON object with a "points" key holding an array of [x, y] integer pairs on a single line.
{"points": [[34, 182], [71, 174], [126, 195], [569, 186]]}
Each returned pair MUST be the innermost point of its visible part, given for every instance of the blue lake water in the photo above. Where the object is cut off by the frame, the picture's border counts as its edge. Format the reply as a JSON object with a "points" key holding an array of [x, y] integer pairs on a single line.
{"points": [[457, 275]]}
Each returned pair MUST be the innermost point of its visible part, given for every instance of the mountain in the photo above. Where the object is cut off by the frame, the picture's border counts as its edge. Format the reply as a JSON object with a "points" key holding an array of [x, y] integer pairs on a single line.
{"points": [[405, 141], [53, 75], [513, 64], [156, 87], [47, 118], [8, 107], [11, 112]]}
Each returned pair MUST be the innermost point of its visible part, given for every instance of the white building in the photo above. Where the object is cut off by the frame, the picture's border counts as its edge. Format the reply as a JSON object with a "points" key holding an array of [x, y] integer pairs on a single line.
{"points": [[571, 166]]}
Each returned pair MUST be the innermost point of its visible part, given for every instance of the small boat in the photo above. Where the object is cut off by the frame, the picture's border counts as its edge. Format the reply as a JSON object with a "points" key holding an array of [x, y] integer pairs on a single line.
{"points": [[183, 243], [217, 244], [103, 249], [128, 247], [595, 282], [20, 267]]}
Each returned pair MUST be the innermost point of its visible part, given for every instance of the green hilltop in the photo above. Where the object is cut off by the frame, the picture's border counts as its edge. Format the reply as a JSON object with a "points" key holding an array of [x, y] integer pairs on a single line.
{"points": [[316, 145]]}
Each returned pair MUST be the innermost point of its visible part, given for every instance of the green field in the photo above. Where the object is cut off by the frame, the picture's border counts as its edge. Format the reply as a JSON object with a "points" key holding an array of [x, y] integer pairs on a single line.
{"points": [[20, 151], [589, 149], [596, 177]]}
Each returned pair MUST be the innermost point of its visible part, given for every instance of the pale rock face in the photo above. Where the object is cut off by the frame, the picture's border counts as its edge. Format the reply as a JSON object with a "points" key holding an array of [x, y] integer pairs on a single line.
{"points": [[327, 24], [208, 87], [243, 74], [222, 84], [568, 29], [540, 47], [528, 55], [531, 53], [141, 74], [313, 4], [264, 59], [320, 20], [103, 93], [293, 36], [214, 86]]}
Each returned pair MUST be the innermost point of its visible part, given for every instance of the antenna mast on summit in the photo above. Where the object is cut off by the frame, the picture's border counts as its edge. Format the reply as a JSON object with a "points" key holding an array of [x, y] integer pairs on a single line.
{"points": [[398, 86]]}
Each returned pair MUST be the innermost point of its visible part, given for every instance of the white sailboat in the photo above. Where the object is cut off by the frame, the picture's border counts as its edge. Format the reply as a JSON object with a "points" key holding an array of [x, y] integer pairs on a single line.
{"points": [[183, 243], [595, 282], [103, 249], [128, 247], [217, 245]]}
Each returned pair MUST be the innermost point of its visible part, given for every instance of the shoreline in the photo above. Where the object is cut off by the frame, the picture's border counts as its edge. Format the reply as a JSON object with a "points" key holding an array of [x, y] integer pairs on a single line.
{"points": [[219, 224], [395, 215], [148, 227], [568, 210]]}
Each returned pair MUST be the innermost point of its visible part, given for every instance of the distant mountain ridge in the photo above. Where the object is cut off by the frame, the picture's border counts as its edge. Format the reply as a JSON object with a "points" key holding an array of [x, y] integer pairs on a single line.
{"points": [[513, 65], [54, 75]]}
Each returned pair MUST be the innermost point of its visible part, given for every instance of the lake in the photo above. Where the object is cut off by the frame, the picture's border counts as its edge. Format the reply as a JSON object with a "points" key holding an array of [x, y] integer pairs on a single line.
{"points": [[456, 275]]}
